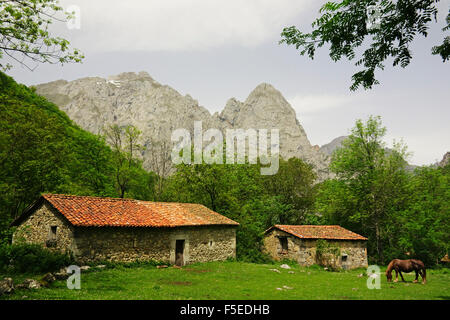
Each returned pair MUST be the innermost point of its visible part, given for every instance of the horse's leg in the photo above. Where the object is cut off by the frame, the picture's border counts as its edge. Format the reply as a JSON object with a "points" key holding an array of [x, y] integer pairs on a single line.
{"points": [[417, 275], [423, 274], [396, 276], [401, 275]]}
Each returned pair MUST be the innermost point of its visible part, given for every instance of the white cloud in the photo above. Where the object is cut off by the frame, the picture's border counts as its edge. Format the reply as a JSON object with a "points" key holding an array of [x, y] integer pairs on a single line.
{"points": [[425, 149], [305, 105], [177, 25]]}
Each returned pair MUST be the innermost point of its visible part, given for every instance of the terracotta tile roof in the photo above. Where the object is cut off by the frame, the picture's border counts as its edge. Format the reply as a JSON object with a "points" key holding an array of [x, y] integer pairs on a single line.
{"points": [[319, 232], [95, 211]]}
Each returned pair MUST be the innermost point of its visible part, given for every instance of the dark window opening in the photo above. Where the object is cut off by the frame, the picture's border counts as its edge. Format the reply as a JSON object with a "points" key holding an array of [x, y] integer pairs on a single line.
{"points": [[53, 232], [51, 239], [284, 244], [344, 258]]}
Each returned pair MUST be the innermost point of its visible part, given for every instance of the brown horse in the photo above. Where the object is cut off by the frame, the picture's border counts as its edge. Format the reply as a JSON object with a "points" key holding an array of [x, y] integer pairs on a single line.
{"points": [[406, 266]]}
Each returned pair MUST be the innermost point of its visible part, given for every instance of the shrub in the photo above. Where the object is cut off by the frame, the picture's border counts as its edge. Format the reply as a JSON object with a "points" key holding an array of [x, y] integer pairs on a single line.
{"points": [[327, 254], [31, 258], [249, 242], [5, 231], [4, 256]]}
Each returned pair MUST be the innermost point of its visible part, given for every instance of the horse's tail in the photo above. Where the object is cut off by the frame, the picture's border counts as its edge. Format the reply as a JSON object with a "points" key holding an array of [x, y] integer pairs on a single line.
{"points": [[424, 274]]}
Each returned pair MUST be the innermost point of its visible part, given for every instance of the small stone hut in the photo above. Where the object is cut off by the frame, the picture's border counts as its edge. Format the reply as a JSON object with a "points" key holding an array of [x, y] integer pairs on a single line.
{"points": [[109, 229], [299, 243]]}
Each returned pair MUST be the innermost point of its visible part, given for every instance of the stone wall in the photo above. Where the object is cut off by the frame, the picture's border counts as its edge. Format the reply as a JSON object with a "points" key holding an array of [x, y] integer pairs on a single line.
{"points": [[126, 244], [353, 254], [205, 243], [37, 229]]}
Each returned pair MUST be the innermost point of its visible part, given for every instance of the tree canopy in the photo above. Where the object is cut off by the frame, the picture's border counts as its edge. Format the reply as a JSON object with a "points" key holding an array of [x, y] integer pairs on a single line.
{"points": [[385, 29]]}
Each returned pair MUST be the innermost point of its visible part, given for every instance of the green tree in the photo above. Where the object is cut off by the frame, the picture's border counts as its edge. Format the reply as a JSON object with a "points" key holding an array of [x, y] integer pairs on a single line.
{"points": [[24, 30], [201, 183], [444, 49], [293, 184], [92, 160], [344, 26], [369, 186], [126, 164], [422, 228], [33, 154]]}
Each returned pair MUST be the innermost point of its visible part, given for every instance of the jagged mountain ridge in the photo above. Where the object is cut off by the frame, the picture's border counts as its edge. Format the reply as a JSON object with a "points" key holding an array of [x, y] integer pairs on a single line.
{"points": [[336, 143], [156, 110], [445, 160], [329, 148]]}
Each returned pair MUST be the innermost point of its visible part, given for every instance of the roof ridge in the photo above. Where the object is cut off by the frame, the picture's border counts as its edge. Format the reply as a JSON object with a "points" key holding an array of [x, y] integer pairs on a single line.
{"points": [[311, 225], [170, 202], [105, 211], [60, 195], [328, 232]]}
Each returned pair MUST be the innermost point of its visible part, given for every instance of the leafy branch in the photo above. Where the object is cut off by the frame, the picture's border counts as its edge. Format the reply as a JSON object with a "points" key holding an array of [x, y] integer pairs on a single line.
{"points": [[344, 26], [25, 37]]}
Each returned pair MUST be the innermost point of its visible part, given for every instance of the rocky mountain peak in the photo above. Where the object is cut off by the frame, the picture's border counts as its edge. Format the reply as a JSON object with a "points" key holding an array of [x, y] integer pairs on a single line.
{"points": [[230, 113], [131, 76], [265, 95], [156, 110], [445, 160], [329, 148], [264, 89]]}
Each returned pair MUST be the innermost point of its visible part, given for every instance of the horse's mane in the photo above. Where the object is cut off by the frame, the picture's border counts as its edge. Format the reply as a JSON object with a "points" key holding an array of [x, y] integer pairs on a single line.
{"points": [[390, 266]]}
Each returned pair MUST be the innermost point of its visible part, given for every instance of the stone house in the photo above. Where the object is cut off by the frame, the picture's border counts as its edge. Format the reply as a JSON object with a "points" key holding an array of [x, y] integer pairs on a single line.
{"points": [[299, 243], [109, 229]]}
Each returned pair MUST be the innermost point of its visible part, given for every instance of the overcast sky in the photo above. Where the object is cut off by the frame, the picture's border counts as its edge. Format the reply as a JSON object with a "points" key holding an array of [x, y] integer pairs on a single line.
{"points": [[215, 50]]}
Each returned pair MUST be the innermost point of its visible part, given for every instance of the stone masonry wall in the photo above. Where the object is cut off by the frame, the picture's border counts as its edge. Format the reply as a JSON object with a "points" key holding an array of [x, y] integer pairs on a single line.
{"points": [[304, 250], [37, 228], [205, 243]]}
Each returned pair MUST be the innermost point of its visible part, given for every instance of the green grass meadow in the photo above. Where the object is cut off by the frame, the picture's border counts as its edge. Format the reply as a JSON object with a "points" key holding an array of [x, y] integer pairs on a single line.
{"points": [[237, 280]]}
